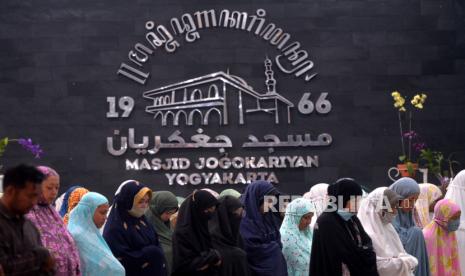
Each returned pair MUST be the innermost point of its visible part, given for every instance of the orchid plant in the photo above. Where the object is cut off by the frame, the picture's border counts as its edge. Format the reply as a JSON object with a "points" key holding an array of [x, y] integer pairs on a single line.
{"points": [[26, 143], [405, 113], [440, 166]]}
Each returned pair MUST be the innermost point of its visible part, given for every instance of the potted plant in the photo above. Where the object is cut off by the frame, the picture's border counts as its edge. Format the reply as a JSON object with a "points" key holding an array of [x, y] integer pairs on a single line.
{"points": [[436, 163], [407, 165]]}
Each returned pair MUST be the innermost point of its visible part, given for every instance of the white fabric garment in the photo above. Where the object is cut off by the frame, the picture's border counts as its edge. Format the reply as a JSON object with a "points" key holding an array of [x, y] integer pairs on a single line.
{"points": [[456, 193], [59, 202], [318, 195], [391, 258]]}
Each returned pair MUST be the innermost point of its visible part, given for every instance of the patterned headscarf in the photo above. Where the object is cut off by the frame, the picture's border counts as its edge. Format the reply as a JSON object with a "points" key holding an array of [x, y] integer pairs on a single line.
{"points": [[442, 245], [54, 235], [429, 193], [297, 244], [73, 201]]}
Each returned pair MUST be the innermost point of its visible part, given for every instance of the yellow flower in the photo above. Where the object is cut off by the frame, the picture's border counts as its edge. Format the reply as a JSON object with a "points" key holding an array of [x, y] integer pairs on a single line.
{"points": [[395, 94], [419, 106], [402, 109]]}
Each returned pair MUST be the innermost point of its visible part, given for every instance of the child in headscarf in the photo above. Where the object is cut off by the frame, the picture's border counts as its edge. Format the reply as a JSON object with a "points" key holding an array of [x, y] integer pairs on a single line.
{"points": [[53, 232], [224, 230], [456, 193], [162, 206], [193, 252], [84, 223], [376, 214], [73, 200], [410, 235], [130, 237], [260, 230], [340, 244], [429, 195], [441, 241], [296, 236]]}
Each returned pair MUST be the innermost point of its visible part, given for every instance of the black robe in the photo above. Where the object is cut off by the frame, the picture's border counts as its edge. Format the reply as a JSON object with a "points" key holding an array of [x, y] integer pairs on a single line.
{"points": [[192, 247], [224, 229], [335, 242]]}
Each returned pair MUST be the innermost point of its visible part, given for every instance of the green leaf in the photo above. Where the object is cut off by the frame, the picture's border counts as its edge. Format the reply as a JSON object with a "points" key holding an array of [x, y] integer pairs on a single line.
{"points": [[3, 144], [410, 168], [402, 158]]}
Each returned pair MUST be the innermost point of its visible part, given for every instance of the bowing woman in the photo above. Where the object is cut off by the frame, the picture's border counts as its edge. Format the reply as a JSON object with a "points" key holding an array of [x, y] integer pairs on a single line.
{"points": [[162, 206], [441, 240], [131, 238], [376, 213], [193, 253], [410, 235], [224, 229], [260, 231], [296, 236], [84, 222], [340, 245], [53, 232]]}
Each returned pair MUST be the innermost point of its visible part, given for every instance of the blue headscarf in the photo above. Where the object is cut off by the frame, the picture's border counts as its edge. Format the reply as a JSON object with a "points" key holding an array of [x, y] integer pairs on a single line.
{"points": [[410, 235], [297, 244], [64, 205], [260, 232], [96, 257], [133, 240]]}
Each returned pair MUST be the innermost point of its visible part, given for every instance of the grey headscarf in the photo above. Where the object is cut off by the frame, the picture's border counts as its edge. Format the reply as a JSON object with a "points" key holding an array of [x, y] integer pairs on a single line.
{"points": [[410, 235], [405, 187]]}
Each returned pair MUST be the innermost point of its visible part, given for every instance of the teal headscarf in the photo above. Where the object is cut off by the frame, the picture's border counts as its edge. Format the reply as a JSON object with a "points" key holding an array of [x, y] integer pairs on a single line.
{"points": [[96, 257], [297, 244]]}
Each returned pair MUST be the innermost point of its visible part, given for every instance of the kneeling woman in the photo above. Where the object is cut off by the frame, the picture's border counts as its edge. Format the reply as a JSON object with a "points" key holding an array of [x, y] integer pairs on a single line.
{"points": [[84, 223], [131, 238]]}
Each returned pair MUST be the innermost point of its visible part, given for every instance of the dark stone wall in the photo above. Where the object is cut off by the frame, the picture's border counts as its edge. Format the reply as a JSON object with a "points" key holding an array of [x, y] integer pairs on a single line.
{"points": [[58, 63]]}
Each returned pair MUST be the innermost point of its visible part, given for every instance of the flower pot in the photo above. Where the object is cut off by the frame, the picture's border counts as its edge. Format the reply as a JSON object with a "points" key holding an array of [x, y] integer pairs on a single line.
{"points": [[404, 171]]}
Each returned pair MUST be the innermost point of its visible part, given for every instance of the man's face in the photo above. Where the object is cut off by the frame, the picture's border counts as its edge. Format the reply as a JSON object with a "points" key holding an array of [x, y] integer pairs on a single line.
{"points": [[24, 199]]}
